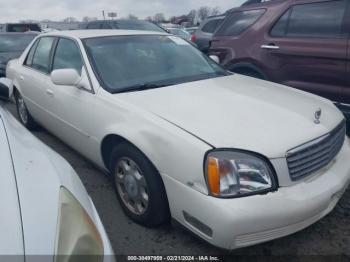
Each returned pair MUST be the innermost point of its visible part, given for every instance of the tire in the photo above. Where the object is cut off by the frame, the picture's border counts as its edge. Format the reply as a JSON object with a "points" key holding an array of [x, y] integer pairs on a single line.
{"points": [[149, 211], [250, 73], [23, 114]]}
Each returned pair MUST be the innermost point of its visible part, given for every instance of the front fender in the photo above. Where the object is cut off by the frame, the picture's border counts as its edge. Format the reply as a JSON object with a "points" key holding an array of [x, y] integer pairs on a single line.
{"points": [[173, 151]]}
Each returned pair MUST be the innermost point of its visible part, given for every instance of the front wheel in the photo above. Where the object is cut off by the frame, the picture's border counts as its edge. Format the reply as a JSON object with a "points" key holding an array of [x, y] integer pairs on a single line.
{"points": [[23, 114], [140, 189]]}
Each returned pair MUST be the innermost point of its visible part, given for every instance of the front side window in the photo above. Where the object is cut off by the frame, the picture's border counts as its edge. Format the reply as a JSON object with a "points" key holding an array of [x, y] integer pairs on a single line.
{"points": [[41, 59], [126, 63], [237, 22], [324, 20], [67, 56], [211, 26]]}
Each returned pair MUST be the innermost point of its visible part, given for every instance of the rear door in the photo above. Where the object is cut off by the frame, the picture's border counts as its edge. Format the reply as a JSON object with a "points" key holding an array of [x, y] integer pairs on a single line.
{"points": [[307, 48], [11, 237], [33, 78]]}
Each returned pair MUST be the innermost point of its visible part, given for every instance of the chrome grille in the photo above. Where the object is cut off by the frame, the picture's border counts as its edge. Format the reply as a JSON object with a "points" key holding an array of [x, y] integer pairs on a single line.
{"points": [[314, 155]]}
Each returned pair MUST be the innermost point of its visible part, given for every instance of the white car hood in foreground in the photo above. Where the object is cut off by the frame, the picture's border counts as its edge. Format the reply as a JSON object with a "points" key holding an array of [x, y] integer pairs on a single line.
{"points": [[11, 238], [40, 173], [241, 112]]}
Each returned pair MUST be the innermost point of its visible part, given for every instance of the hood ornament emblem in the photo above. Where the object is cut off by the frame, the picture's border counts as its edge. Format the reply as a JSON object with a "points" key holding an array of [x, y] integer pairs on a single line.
{"points": [[318, 114]]}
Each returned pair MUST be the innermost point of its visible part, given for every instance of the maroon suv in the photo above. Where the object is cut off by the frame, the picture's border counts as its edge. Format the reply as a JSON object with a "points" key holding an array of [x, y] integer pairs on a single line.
{"points": [[300, 43]]}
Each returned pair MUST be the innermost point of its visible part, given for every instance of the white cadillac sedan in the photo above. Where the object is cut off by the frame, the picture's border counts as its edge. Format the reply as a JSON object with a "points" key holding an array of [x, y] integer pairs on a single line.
{"points": [[237, 161], [46, 213]]}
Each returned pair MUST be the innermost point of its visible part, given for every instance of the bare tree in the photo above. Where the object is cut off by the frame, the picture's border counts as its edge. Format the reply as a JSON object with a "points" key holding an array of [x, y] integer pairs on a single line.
{"points": [[88, 19], [172, 19], [203, 12], [69, 20], [132, 17], [215, 11], [158, 18], [191, 16]]}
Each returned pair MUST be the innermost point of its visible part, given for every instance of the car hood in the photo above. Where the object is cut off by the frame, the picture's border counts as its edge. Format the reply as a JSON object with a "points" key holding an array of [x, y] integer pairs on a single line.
{"points": [[11, 238], [241, 112]]}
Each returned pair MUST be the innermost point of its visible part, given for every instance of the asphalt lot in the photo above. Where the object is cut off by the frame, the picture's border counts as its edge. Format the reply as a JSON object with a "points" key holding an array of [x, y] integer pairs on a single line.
{"points": [[330, 236]]}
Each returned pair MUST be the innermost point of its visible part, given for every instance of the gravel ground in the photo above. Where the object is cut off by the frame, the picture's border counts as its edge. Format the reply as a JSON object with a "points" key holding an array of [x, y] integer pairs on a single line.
{"points": [[328, 237]]}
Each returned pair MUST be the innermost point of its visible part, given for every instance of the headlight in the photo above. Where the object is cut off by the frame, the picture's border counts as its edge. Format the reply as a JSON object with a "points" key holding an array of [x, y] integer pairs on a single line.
{"points": [[237, 174], [77, 234]]}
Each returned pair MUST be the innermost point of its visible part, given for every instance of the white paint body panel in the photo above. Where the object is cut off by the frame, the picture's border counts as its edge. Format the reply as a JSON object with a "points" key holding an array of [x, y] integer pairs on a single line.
{"points": [[40, 173], [175, 126], [11, 238]]}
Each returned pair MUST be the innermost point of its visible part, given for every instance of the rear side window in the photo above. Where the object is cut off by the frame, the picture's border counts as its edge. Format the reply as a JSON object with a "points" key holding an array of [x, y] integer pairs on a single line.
{"points": [[41, 59], [67, 56], [324, 20], [238, 22], [211, 26]]}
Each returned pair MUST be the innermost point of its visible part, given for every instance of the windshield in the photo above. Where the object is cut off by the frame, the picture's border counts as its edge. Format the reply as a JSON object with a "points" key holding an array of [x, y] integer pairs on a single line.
{"points": [[124, 63], [15, 43], [138, 25]]}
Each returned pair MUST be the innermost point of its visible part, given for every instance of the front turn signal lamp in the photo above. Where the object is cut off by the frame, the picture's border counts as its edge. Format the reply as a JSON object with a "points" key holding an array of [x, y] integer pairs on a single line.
{"points": [[237, 174], [77, 238]]}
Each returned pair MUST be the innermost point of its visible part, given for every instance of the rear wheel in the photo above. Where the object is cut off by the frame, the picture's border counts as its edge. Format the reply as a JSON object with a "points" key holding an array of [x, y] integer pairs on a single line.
{"points": [[23, 114], [249, 72], [140, 189]]}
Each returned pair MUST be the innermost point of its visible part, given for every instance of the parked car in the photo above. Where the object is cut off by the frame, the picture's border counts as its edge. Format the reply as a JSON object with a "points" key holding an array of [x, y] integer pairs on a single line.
{"points": [[236, 160], [180, 33], [11, 46], [204, 34], [302, 44], [191, 30], [45, 209], [21, 27], [124, 24]]}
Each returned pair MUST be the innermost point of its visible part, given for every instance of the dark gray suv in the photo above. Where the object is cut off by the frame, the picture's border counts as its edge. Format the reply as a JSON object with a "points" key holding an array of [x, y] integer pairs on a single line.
{"points": [[204, 33]]}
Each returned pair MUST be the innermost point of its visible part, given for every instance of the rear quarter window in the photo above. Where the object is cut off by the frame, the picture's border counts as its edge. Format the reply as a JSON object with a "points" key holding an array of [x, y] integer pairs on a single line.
{"points": [[237, 22]]}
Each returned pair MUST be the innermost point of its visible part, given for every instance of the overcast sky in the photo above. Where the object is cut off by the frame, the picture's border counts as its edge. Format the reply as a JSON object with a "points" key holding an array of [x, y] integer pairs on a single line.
{"points": [[14, 10]]}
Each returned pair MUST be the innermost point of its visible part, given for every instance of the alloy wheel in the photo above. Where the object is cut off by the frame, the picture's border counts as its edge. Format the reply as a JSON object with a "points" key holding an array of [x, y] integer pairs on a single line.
{"points": [[131, 186]]}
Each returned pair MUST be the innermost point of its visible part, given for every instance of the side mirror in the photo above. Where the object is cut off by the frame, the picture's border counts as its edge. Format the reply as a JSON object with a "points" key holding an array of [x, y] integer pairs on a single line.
{"points": [[6, 88], [215, 58], [65, 77]]}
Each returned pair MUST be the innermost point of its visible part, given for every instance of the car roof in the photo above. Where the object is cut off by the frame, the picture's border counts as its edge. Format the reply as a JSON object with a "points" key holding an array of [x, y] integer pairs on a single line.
{"points": [[270, 3], [118, 20], [82, 34]]}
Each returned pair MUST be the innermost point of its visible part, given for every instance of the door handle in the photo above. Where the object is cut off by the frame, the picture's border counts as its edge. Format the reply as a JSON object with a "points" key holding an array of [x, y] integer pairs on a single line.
{"points": [[270, 46], [21, 77], [49, 92]]}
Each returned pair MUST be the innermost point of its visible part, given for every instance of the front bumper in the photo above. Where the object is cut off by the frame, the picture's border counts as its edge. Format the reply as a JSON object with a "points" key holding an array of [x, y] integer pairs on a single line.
{"points": [[246, 221]]}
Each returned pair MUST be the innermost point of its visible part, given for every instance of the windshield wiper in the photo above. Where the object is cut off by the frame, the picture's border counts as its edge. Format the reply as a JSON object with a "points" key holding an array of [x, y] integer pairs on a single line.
{"points": [[141, 87]]}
